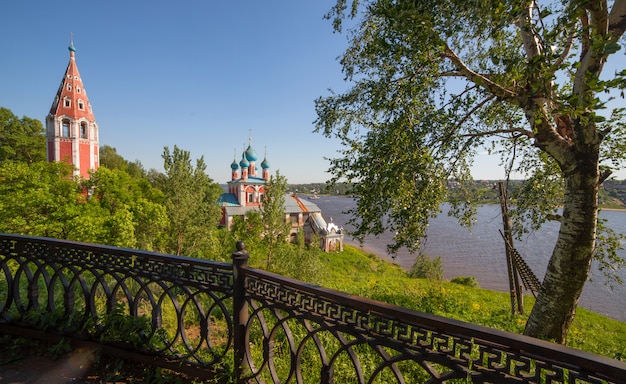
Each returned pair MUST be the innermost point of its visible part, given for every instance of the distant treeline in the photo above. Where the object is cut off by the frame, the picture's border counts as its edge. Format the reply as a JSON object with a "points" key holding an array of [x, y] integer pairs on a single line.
{"points": [[612, 192]]}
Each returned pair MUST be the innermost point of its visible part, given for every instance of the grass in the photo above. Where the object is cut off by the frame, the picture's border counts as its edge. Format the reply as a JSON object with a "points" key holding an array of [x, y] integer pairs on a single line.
{"points": [[367, 275]]}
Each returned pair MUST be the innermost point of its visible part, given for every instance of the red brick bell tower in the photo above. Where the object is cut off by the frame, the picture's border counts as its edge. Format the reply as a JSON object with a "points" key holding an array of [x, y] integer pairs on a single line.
{"points": [[71, 129]]}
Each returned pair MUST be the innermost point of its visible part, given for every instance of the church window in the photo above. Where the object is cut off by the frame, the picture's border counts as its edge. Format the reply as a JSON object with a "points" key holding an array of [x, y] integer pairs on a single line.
{"points": [[65, 126], [81, 105], [250, 198], [67, 102], [83, 130], [69, 87], [78, 89]]}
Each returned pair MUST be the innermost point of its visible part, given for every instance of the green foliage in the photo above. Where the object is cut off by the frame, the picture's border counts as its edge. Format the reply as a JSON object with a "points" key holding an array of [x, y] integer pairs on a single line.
{"points": [[61, 348], [299, 261], [433, 83], [272, 215], [21, 140], [16, 348], [109, 158], [191, 204], [119, 326], [39, 199], [426, 268], [468, 281], [129, 210], [355, 272]]}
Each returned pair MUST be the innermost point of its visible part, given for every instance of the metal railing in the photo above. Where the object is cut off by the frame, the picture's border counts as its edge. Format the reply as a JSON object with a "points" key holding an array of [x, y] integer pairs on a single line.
{"points": [[175, 308], [246, 325]]}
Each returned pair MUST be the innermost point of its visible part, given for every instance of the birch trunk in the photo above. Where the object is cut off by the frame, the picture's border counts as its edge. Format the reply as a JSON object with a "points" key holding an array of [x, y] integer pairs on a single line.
{"points": [[569, 265]]}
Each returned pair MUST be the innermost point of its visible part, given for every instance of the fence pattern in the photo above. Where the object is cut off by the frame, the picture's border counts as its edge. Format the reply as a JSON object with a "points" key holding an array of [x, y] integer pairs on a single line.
{"points": [[304, 334], [279, 330], [180, 308]]}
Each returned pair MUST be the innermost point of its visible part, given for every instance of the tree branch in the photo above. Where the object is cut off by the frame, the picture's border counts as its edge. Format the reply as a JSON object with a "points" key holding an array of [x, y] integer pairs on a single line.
{"points": [[604, 175], [519, 131], [592, 62], [530, 39], [617, 19], [477, 78], [566, 50]]}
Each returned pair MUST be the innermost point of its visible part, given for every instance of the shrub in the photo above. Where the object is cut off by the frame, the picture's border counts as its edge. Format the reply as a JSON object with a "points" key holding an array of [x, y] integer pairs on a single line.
{"points": [[425, 268], [469, 281]]}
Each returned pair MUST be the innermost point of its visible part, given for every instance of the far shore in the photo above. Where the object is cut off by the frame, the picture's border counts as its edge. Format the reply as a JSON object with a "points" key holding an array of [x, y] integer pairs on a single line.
{"points": [[484, 203]]}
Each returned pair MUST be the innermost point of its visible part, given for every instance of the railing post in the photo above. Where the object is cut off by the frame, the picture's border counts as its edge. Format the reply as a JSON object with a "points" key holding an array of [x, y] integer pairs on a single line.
{"points": [[240, 307]]}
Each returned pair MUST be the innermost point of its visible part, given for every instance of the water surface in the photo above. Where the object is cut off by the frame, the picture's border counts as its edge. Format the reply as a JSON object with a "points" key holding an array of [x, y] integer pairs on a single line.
{"points": [[481, 253]]}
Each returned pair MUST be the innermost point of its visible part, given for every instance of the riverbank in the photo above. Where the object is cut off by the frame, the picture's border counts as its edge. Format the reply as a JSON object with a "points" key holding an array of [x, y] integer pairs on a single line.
{"points": [[365, 274], [480, 252]]}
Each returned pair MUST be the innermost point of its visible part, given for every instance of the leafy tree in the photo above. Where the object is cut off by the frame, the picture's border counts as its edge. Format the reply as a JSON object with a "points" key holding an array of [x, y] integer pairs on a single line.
{"points": [[42, 199], [436, 81], [275, 226], [191, 203], [39, 199], [249, 228], [109, 158], [301, 261], [132, 210], [21, 139]]}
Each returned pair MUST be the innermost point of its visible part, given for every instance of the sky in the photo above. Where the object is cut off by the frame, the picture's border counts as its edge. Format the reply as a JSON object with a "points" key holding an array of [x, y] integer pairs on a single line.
{"points": [[202, 75]]}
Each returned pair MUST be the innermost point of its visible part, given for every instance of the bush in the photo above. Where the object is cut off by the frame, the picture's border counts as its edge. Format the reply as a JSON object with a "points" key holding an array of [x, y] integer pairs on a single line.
{"points": [[425, 268], [469, 281]]}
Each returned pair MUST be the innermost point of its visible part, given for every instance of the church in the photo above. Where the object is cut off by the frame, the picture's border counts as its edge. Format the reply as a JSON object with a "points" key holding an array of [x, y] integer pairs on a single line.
{"points": [[72, 137], [246, 190], [71, 128]]}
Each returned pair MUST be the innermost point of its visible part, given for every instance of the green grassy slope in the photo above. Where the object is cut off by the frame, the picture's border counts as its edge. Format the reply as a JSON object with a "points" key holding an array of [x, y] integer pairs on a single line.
{"points": [[367, 275]]}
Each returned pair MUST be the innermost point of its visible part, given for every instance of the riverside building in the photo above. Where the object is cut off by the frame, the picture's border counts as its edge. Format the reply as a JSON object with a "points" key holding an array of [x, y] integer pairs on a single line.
{"points": [[246, 191]]}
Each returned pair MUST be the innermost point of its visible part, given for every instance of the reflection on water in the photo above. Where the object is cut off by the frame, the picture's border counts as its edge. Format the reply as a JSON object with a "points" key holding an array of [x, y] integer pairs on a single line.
{"points": [[480, 252]]}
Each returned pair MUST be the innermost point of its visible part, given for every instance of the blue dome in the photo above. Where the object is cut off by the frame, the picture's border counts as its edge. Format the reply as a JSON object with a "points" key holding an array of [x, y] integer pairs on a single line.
{"points": [[250, 154], [265, 164], [244, 162], [234, 165]]}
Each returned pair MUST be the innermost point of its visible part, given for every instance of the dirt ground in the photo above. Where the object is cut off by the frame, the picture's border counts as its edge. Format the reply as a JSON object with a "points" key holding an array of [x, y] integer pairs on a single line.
{"points": [[29, 361], [31, 368]]}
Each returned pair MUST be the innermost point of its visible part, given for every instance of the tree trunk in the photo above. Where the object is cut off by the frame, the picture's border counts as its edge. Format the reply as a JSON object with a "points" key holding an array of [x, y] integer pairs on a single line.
{"points": [[569, 265]]}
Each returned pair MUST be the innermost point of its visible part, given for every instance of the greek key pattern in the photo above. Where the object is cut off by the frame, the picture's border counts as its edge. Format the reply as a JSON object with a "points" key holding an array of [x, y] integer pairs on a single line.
{"points": [[382, 344], [185, 304], [291, 332]]}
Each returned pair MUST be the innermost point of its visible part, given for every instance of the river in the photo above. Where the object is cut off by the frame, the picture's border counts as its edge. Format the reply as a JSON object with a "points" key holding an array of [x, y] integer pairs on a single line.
{"points": [[480, 252]]}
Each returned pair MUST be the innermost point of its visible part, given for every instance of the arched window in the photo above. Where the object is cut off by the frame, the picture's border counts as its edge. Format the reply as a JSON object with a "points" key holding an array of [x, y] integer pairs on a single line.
{"points": [[65, 128], [83, 130]]}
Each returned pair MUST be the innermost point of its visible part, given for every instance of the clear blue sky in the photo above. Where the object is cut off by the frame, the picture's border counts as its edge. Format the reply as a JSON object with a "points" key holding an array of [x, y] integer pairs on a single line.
{"points": [[198, 74]]}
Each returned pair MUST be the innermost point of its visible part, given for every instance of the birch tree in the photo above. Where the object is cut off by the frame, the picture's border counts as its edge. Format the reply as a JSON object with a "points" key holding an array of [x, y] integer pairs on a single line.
{"points": [[191, 203], [433, 82]]}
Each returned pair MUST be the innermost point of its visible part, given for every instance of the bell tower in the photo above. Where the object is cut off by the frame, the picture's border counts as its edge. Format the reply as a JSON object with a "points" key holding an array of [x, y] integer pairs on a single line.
{"points": [[71, 129]]}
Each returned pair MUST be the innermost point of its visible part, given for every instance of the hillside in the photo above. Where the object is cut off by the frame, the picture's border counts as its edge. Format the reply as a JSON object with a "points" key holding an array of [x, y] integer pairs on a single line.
{"points": [[372, 277]]}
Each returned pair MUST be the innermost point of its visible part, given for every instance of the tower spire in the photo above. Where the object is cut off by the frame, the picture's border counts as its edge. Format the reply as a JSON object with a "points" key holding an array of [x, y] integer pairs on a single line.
{"points": [[71, 47], [71, 129]]}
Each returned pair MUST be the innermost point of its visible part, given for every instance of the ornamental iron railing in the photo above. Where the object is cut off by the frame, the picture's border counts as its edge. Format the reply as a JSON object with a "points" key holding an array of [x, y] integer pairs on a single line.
{"points": [[176, 308], [250, 326]]}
